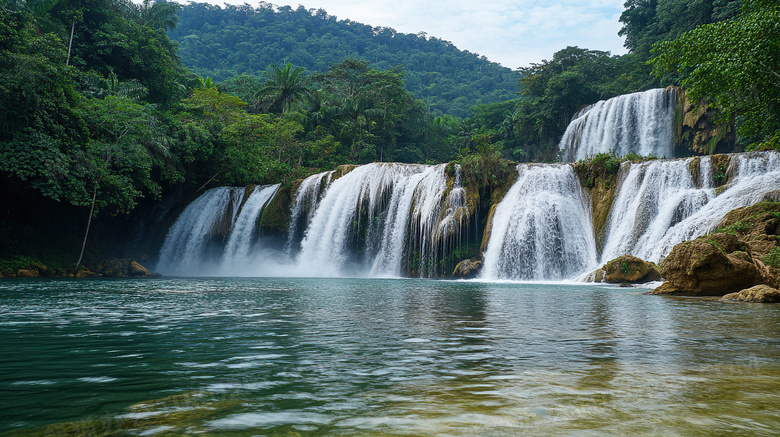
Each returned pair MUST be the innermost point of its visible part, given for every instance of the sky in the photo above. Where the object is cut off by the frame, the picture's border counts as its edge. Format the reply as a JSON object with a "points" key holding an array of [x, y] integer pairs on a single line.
{"points": [[514, 33]]}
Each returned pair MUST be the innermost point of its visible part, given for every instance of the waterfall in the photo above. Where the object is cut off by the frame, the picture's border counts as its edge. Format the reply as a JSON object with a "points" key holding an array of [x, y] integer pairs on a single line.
{"points": [[214, 233], [541, 230], [756, 175], [242, 234], [653, 196], [409, 201], [187, 244], [638, 123], [307, 199], [363, 217]]}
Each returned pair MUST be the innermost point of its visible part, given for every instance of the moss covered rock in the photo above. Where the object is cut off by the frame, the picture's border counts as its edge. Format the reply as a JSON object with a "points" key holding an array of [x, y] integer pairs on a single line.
{"points": [[759, 293], [275, 218], [713, 265], [630, 269], [742, 253]]}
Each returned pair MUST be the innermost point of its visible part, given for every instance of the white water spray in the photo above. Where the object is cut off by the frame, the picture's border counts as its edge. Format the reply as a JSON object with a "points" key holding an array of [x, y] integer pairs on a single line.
{"points": [[541, 230]]}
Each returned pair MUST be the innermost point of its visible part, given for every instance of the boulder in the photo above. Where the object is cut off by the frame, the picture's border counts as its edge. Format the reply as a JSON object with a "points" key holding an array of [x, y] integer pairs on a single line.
{"points": [[630, 269], [467, 269], [136, 269], [121, 267], [594, 276], [27, 273], [759, 293], [712, 265]]}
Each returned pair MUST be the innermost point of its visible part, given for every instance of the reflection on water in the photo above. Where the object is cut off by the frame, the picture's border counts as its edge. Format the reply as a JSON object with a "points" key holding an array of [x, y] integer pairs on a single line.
{"points": [[376, 357]]}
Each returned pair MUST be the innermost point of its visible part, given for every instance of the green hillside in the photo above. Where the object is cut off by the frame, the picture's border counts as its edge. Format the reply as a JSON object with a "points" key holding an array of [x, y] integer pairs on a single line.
{"points": [[224, 42]]}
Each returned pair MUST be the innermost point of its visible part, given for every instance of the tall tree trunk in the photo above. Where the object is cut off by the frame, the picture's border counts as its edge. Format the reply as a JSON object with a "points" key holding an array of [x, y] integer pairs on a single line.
{"points": [[89, 223], [67, 62]]}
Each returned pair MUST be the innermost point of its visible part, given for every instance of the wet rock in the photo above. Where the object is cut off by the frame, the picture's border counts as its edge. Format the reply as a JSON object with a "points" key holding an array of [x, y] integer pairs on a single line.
{"points": [[136, 269], [27, 273], [467, 269], [594, 276], [120, 268], [759, 293], [712, 265], [87, 274], [630, 269]]}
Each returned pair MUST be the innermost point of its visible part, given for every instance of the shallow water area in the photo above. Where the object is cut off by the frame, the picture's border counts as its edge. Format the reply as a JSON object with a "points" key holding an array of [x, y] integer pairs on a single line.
{"points": [[244, 356]]}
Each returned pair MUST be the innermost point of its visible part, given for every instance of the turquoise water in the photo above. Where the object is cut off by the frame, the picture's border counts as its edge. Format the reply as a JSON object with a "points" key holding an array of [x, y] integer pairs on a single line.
{"points": [[286, 357]]}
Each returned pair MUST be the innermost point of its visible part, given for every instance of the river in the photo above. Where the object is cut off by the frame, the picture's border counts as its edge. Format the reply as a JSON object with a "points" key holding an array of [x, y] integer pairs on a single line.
{"points": [[287, 357]]}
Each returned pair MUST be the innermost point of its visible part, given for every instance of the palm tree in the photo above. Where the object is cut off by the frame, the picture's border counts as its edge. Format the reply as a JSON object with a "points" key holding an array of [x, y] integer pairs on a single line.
{"points": [[155, 14], [112, 86], [282, 88]]}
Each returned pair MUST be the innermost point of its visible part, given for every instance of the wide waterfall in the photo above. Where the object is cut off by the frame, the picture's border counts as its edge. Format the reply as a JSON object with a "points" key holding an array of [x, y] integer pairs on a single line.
{"points": [[390, 220], [378, 219], [541, 229], [639, 123]]}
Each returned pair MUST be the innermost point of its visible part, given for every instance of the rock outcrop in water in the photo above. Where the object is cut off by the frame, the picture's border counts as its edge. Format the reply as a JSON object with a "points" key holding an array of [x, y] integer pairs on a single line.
{"points": [[467, 269], [758, 294], [630, 269], [742, 254]]}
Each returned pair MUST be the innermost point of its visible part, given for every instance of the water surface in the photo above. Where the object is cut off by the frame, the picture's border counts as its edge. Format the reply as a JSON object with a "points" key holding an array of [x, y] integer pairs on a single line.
{"points": [[241, 357]]}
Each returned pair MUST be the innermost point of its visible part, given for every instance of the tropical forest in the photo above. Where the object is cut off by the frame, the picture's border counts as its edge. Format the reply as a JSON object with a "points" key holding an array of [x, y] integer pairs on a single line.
{"points": [[260, 219]]}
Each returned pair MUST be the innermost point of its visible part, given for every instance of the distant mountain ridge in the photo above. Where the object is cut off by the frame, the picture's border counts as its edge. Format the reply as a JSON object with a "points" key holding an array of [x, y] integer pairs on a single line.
{"points": [[224, 42]]}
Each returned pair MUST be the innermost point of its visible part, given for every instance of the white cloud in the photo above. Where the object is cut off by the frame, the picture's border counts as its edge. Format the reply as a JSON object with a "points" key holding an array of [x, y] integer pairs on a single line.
{"points": [[514, 33]]}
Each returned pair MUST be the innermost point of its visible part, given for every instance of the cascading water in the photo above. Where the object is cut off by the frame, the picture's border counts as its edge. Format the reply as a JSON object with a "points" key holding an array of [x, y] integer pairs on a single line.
{"points": [[304, 206], [189, 243], [242, 233], [541, 230], [756, 175], [334, 233], [638, 123], [375, 219], [653, 196]]}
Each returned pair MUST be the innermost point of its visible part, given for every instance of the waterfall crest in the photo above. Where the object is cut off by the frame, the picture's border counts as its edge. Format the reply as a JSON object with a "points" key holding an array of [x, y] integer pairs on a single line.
{"points": [[638, 123]]}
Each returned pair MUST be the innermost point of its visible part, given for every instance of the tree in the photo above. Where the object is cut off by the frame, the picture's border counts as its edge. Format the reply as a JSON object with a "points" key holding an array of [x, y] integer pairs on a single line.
{"points": [[282, 88], [125, 143], [647, 22], [736, 64]]}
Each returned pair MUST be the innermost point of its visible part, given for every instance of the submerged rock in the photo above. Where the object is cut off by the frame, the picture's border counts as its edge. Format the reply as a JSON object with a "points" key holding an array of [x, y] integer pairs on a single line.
{"points": [[467, 269], [759, 293], [630, 269]]}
